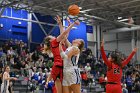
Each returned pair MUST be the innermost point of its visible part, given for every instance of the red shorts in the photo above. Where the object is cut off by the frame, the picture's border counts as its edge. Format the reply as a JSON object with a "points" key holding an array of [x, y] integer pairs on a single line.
{"points": [[57, 72], [54, 89], [113, 88]]}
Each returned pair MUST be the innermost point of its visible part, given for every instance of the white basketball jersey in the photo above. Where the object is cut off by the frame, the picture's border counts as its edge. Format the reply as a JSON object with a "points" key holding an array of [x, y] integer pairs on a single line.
{"points": [[71, 73], [71, 62]]}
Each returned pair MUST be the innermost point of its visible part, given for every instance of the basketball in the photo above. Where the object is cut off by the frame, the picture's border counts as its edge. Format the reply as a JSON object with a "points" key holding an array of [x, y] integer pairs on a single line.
{"points": [[73, 10]]}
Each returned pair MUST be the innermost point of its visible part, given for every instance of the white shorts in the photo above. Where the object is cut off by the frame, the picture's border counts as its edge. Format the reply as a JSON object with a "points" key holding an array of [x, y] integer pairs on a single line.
{"points": [[71, 76], [4, 90]]}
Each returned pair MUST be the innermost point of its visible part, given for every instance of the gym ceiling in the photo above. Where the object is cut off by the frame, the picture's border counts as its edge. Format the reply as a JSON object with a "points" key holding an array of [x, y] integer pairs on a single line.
{"points": [[108, 13]]}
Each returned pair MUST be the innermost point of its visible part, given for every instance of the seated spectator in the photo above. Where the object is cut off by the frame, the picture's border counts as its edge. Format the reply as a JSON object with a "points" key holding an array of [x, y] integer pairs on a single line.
{"points": [[124, 89], [35, 77], [50, 88], [137, 87], [84, 78], [1, 52], [11, 52], [129, 83], [41, 78], [102, 80], [87, 67]]}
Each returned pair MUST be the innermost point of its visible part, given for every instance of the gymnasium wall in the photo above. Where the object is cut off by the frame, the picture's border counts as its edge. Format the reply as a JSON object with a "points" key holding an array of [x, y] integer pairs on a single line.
{"points": [[110, 41], [123, 43], [37, 33], [13, 29], [138, 44], [90, 33], [91, 39]]}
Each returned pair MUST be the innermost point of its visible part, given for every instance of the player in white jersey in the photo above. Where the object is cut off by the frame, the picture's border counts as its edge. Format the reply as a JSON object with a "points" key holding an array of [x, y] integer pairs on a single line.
{"points": [[5, 87], [70, 70], [71, 73]]}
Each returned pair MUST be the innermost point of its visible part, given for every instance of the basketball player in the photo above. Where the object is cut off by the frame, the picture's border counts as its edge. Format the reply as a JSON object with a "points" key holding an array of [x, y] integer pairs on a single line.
{"points": [[114, 72], [71, 74], [5, 86], [52, 43]]}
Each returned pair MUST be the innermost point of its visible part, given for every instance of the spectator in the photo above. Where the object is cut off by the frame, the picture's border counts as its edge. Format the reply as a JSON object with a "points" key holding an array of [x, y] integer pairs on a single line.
{"points": [[124, 89], [102, 80], [129, 83], [84, 78], [11, 52], [88, 68], [137, 87], [1, 51]]}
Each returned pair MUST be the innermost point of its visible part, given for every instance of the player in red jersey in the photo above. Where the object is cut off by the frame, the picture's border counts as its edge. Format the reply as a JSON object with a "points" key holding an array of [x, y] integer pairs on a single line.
{"points": [[52, 44], [114, 72]]}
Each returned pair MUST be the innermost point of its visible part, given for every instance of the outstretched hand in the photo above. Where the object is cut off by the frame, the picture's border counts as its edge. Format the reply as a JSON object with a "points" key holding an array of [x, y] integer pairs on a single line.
{"points": [[58, 19], [135, 49], [102, 43], [77, 22]]}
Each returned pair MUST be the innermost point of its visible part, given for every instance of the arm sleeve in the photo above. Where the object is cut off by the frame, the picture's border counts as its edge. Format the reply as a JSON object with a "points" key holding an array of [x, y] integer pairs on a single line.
{"points": [[105, 58], [63, 55], [126, 61]]}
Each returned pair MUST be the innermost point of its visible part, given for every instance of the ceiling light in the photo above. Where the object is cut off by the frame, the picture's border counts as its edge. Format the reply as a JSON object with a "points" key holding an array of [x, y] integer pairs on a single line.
{"points": [[82, 12], [80, 7], [119, 17], [87, 10], [122, 20]]}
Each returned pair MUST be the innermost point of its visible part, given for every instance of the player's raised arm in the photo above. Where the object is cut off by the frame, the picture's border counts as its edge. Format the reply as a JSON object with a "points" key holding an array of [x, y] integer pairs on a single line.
{"points": [[104, 55], [59, 22], [126, 61], [63, 34]]}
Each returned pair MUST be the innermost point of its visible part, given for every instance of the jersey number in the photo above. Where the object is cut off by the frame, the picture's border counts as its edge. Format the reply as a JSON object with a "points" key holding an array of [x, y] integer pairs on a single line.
{"points": [[116, 71], [73, 59]]}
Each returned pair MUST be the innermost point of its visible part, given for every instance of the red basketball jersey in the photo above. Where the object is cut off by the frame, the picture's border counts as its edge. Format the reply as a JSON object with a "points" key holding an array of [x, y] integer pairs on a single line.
{"points": [[114, 73], [56, 52]]}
